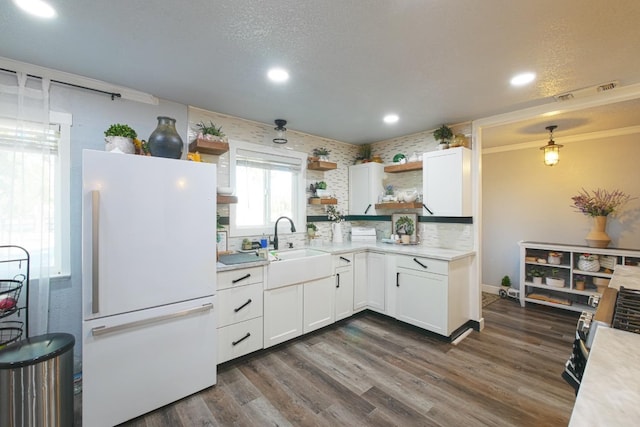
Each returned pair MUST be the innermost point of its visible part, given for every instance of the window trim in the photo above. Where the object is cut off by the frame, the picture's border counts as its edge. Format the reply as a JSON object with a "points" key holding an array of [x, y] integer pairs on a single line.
{"points": [[63, 201], [299, 216]]}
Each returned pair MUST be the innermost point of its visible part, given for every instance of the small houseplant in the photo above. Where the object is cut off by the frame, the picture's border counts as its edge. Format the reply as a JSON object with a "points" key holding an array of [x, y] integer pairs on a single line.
{"points": [[210, 132], [506, 282], [443, 134], [580, 280], [554, 279], [311, 229], [364, 154], [322, 153], [320, 189], [120, 137], [405, 228], [536, 274]]}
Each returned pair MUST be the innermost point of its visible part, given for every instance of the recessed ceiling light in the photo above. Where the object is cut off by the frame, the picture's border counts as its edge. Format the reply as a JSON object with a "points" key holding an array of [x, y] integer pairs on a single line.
{"points": [[278, 75], [391, 118], [522, 79], [37, 8]]}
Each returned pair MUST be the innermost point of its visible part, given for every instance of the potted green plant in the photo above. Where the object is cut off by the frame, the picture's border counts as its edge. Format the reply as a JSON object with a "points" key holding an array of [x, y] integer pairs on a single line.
{"points": [[246, 244], [505, 282], [554, 279], [311, 229], [320, 189], [210, 132], [321, 153], [364, 154], [405, 227], [120, 137], [580, 281], [536, 275], [443, 134]]}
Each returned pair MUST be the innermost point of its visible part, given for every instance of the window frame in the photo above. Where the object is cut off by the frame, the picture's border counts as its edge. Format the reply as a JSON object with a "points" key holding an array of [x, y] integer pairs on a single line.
{"points": [[299, 216]]}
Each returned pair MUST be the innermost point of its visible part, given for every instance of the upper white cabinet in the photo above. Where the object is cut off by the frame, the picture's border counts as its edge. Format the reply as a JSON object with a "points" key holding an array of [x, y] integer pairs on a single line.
{"points": [[365, 185], [446, 180]]}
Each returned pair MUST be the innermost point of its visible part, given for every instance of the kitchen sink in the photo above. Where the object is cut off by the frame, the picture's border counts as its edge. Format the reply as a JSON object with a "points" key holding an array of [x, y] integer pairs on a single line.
{"points": [[297, 266]]}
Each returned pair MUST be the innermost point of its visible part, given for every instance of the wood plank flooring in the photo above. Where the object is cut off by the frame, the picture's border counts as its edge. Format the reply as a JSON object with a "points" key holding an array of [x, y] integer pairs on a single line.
{"points": [[373, 371]]}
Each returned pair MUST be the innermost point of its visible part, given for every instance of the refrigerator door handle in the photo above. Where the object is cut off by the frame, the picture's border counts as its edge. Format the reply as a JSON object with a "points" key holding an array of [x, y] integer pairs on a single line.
{"points": [[95, 251], [102, 330]]}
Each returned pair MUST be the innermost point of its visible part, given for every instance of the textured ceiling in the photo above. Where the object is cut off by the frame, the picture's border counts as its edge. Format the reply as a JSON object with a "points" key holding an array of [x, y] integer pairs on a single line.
{"points": [[351, 62]]}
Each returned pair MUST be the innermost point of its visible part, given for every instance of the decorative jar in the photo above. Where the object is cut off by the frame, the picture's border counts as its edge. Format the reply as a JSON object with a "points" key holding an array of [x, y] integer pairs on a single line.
{"points": [[588, 262], [165, 140]]}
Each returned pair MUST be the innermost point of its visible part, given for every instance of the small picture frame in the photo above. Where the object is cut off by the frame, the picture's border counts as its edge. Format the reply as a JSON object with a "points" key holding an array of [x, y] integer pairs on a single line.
{"points": [[395, 219], [222, 240]]}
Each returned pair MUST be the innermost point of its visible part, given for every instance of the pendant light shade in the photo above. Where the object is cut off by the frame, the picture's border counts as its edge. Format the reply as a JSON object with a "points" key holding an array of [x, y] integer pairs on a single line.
{"points": [[281, 132], [551, 150]]}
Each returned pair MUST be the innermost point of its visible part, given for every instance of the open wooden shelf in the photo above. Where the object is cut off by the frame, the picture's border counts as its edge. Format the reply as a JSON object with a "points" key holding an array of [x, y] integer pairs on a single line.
{"points": [[319, 201], [225, 200], [205, 146], [399, 205], [321, 166], [413, 166]]}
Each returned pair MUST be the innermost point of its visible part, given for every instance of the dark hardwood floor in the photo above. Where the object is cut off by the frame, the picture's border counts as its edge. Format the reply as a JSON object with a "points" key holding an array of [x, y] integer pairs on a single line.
{"points": [[373, 371]]}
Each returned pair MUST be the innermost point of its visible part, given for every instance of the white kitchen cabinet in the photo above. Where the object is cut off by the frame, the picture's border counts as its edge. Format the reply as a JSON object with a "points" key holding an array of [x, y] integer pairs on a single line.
{"points": [[283, 317], [240, 311], [446, 182], [360, 281], [432, 294], [319, 301], [375, 281], [365, 185], [344, 291]]}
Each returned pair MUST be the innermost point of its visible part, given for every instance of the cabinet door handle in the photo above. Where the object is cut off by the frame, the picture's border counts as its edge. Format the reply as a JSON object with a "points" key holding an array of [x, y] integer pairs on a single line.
{"points": [[95, 251], [420, 264], [234, 343], [367, 210], [338, 280], [246, 276], [398, 279], [345, 259], [242, 306], [428, 210]]}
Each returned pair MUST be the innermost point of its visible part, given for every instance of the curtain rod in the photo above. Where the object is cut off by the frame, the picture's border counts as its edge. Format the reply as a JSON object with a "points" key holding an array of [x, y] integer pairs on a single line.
{"points": [[113, 95]]}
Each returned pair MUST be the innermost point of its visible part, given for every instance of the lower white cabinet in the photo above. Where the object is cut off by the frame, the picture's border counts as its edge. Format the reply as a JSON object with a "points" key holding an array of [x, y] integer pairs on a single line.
{"points": [[344, 291], [318, 307], [375, 281], [369, 280], [240, 310], [432, 294], [283, 317]]}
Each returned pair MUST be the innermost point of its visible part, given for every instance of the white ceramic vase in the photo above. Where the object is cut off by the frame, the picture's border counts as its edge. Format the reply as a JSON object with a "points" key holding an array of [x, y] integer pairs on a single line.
{"points": [[119, 143], [336, 229]]}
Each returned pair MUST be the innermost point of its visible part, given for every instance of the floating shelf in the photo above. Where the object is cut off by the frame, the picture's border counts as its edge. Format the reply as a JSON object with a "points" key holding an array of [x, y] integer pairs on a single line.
{"points": [[399, 205], [413, 166], [205, 146], [321, 166], [319, 201], [225, 200]]}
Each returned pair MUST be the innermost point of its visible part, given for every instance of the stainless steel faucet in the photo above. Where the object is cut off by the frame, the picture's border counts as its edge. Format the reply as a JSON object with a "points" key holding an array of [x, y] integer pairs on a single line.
{"points": [[275, 235]]}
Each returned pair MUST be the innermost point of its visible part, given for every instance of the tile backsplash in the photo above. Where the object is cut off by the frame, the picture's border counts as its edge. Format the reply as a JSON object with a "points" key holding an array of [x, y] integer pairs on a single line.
{"points": [[459, 236]]}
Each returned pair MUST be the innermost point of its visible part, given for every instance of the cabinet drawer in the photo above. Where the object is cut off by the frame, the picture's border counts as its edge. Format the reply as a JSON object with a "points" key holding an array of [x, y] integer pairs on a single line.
{"points": [[245, 276], [239, 304], [423, 264], [239, 339], [343, 260]]}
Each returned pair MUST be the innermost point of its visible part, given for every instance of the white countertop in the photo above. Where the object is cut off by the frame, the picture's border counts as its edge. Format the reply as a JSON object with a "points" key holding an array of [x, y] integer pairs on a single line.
{"points": [[625, 275], [610, 390]]}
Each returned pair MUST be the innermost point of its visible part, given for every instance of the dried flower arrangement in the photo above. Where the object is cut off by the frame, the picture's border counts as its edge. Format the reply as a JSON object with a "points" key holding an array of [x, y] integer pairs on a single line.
{"points": [[600, 202], [334, 214]]}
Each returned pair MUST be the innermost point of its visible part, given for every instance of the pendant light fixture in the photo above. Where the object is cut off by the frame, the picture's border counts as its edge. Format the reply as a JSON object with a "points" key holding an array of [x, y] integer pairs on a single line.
{"points": [[281, 132], [551, 150]]}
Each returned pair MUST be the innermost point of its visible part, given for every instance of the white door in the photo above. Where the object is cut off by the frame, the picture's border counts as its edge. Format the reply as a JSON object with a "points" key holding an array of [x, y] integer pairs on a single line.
{"points": [[446, 180], [150, 225], [360, 281], [344, 292], [319, 299], [365, 185], [282, 314], [137, 362], [422, 300], [375, 281]]}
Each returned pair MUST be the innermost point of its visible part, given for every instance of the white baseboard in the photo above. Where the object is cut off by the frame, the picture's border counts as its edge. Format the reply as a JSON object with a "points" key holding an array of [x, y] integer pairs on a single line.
{"points": [[490, 289]]}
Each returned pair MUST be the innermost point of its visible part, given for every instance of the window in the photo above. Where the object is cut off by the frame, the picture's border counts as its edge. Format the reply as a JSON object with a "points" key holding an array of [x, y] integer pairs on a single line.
{"points": [[34, 195], [269, 183]]}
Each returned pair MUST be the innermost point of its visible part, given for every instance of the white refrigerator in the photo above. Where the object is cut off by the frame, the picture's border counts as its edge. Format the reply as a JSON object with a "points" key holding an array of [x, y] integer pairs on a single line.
{"points": [[148, 283]]}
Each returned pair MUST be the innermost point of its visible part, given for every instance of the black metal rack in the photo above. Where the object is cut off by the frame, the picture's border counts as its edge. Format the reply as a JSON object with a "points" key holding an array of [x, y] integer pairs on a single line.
{"points": [[14, 278]]}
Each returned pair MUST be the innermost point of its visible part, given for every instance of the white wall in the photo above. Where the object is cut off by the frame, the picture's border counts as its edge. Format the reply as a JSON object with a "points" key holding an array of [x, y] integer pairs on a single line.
{"points": [[523, 199]]}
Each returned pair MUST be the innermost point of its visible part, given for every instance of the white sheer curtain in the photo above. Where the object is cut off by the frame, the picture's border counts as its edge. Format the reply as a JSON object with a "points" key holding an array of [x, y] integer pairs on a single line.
{"points": [[27, 176]]}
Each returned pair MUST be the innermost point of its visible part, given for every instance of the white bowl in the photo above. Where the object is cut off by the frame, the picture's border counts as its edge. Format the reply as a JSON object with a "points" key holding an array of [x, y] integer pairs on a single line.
{"points": [[225, 191]]}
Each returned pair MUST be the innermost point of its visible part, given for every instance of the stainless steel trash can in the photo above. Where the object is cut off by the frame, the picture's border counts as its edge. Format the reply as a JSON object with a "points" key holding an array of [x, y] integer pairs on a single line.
{"points": [[36, 382]]}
